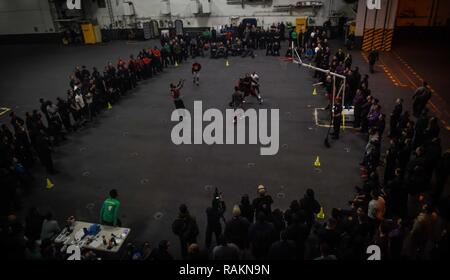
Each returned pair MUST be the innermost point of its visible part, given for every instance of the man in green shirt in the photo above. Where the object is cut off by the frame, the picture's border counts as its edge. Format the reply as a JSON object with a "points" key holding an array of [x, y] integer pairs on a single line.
{"points": [[166, 55], [294, 37], [110, 210], [206, 35]]}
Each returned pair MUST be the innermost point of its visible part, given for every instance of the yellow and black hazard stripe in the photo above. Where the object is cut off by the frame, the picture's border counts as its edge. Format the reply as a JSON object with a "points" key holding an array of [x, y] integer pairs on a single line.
{"points": [[387, 39], [377, 38], [368, 39]]}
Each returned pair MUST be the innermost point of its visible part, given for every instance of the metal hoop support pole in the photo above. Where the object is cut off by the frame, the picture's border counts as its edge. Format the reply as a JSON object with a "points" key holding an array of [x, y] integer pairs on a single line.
{"points": [[334, 94], [343, 103]]}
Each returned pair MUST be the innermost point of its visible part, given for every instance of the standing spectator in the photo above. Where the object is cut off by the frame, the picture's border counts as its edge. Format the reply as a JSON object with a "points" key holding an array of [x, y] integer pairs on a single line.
{"points": [[75, 110], [381, 239], [54, 123], [311, 207], [419, 129], [162, 252], [16, 121], [278, 221], [50, 227], [365, 109], [298, 232], [348, 61], [64, 112], [373, 57], [109, 213], [365, 85], [261, 235], [225, 251], [49, 250], [325, 253], [185, 226], [397, 196], [425, 231], [90, 107], [282, 28], [236, 229], [330, 234], [79, 100], [44, 151], [358, 102], [337, 119], [32, 251], [44, 109], [263, 202], [194, 253], [23, 147], [283, 249], [213, 216], [293, 38], [340, 55], [442, 171], [395, 117], [376, 210], [416, 181], [33, 224], [420, 98], [390, 161], [432, 130], [294, 208], [13, 239]]}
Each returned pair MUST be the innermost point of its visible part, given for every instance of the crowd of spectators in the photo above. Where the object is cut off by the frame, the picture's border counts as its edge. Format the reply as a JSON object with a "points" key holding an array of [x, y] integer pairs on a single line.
{"points": [[398, 205]]}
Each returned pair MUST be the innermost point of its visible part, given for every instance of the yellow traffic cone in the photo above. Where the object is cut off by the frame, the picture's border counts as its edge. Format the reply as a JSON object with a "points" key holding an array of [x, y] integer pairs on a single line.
{"points": [[317, 162], [227, 63], [49, 184], [314, 92], [321, 214], [109, 106]]}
